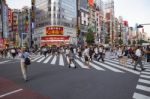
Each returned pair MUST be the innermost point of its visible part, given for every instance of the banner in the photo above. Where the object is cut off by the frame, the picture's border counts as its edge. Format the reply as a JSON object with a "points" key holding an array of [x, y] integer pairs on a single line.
{"points": [[55, 38], [54, 30]]}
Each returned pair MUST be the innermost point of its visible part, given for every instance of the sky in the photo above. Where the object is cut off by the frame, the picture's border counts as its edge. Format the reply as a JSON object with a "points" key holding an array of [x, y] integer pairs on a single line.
{"points": [[134, 11]]}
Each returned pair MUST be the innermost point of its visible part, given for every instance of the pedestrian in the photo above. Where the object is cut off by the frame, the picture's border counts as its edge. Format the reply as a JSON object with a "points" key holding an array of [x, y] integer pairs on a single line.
{"points": [[120, 55], [138, 54], [86, 56], [71, 57], [24, 55], [101, 53]]}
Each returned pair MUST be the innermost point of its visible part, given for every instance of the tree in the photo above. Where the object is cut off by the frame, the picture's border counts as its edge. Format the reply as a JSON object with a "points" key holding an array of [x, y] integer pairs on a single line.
{"points": [[120, 41], [134, 42], [90, 37], [129, 42]]}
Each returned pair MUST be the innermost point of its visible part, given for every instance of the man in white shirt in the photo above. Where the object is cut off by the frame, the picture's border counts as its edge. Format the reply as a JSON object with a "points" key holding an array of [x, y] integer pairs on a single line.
{"points": [[138, 53]]}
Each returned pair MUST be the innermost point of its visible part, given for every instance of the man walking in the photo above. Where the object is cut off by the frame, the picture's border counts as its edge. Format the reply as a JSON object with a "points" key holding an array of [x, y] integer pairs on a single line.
{"points": [[138, 54]]}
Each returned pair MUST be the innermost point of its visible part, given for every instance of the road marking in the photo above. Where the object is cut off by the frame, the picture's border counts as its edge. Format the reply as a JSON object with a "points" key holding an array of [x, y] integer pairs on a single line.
{"points": [[146, 73], [121, 67], [41, 59], [61, 61], [96, 67], [81, 64], [72, 64], [36, 58], [47, 60], [108, 67], [9, 93], [145, 76], [54, 60], [117, 62], [140, 96], [144, 88], [4, 61], [144, 81]]}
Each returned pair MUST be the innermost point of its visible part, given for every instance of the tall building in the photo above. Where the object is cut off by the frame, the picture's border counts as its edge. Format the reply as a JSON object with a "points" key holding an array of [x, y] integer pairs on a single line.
{"points": [[110, 16], [55, 22], [24, 26]]}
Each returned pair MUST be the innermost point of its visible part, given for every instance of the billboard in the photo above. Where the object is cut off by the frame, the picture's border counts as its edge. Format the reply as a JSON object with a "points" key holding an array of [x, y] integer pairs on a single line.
{"points": [[54, 30]]}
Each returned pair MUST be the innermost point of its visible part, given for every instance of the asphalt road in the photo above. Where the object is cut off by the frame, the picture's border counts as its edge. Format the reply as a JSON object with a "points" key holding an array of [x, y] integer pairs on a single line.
{"points": [[59, 82]]}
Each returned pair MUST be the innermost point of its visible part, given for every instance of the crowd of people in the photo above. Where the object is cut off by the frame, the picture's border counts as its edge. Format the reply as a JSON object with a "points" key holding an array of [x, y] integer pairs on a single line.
{"points": [[86, 53]]}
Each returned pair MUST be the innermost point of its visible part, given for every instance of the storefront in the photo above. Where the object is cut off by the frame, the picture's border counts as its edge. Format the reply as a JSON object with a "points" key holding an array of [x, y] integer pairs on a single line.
{"points": [[55, 40]]}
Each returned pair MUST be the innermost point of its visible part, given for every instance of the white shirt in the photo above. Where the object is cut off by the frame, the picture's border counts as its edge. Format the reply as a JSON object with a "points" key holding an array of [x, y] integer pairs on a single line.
{"points": [[138, 53]]}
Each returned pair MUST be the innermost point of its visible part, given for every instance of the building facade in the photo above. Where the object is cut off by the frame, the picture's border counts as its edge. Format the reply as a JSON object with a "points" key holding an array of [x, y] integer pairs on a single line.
{"points": [[55, 22]]}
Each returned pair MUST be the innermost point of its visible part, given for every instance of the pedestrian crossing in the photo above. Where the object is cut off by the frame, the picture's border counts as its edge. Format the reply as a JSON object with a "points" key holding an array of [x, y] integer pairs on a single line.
{"points": [[62, 60], [143, 86]]}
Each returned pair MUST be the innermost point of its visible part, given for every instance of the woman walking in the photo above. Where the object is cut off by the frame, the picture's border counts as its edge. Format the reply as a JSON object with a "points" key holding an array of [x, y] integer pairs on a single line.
{"points": [[24, 66]]}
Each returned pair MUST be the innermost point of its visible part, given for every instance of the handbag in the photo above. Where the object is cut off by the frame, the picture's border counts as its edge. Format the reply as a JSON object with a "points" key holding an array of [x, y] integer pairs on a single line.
{"points": [[27, 61]]}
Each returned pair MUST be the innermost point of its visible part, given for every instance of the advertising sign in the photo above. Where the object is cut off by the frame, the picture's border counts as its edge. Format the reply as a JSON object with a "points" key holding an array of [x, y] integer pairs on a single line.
{"points": [[54, 30], [56, 38]]}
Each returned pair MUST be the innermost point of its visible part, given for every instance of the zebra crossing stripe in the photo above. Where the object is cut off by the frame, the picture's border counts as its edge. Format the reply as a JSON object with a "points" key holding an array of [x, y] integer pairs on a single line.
{"points": [[72, 64], [144, 81], [108, 67], [47, 60], [144, 88], [126, 69], [140, 96], [61, 62], [41, 59], [146, 73], [36, 58], [145, 76], [4, 62], [54, 60], [96, 67], [81, 64]]}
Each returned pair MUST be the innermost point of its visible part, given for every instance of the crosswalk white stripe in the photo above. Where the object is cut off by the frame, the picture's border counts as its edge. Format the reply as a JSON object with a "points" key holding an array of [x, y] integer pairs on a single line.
{"points": [[54, 60], [41, 59], [33, 57], [36, 58], [81, 64], [145, 76], [126, 69], [117, 61], [144, 81], [144, 88], [72, 64], [108, 67], [61, 61], [4, 62], [146, 73], [140, 96], [47, 60], [96, 67]]}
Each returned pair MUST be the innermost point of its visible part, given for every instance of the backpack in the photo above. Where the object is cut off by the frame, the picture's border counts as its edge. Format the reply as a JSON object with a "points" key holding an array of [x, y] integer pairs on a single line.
{"points": [[27, 61]]}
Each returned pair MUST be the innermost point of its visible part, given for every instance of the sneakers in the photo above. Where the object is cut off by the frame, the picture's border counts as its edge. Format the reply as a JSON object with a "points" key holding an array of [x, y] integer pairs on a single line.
{"points": [[142, 69]]}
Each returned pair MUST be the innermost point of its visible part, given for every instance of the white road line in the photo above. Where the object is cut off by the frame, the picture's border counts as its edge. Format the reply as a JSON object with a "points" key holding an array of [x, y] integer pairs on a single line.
{"points": [[145, 76], [36, 58], [47, 60], [144, 81], [117, 62], [144, 88], [96, 67], [72, 64], [124, 68], [61, 61], [9, 93], [41, 59], [54, 60], [81, 64], [108, 67], [4, 61], [140, 96], [77, 56], [146, 73]]}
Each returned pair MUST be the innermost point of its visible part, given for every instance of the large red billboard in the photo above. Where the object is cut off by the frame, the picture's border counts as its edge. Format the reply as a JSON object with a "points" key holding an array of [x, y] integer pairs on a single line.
{"points": [[91, 2], [54, 30]]}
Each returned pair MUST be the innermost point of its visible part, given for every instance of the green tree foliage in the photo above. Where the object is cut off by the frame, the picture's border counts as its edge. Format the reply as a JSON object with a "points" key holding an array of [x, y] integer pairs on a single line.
{"points": [[90, 37], [134, 42], [129, 42], [120, 41]]}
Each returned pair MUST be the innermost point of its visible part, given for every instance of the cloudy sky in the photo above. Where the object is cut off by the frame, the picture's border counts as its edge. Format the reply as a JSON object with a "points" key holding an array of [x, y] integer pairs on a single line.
{"points": [[134, 11]]}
